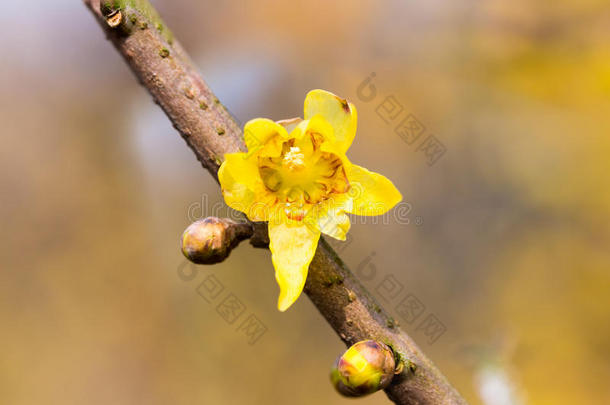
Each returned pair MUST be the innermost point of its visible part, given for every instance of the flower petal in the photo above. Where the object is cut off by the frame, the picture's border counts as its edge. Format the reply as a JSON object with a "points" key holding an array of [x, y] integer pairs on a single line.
{"points": [[241, 185], [330, 216], [292, 249], [320, 125], [371, 193], [338, 112], [313, 133], [259, 134], [298, 130], [335, 224], [290, 123]]}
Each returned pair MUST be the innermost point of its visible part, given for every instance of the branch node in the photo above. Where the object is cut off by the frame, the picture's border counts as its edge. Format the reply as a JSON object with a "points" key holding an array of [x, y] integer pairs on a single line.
{"points": [[114, 19], [164, 52]]}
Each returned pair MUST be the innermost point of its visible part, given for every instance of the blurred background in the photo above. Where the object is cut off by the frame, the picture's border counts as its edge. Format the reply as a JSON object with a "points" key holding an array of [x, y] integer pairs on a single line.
{"points": [[504, 244]]}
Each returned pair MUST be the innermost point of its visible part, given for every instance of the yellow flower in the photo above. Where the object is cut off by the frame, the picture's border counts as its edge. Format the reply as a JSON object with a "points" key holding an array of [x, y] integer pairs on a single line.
{"points": [[296, 176]]}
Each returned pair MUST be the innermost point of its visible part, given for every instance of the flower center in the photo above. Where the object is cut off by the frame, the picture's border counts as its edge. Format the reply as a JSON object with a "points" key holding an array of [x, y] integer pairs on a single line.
{"points": [[294, 159], [302, 176]]}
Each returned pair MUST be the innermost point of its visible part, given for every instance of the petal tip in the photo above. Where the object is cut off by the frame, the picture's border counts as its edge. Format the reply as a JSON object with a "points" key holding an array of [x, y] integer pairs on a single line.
{"points": [[345, 105], [284, 302]]}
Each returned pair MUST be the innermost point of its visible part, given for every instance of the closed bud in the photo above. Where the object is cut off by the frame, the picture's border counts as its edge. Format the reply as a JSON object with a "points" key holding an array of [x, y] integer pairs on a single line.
{"points": [[366, 367], [210, 240]]}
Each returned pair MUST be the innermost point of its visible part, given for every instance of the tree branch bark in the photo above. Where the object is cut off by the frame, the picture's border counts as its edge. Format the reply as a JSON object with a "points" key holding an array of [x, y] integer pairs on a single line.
{"points": [[164, 68]]}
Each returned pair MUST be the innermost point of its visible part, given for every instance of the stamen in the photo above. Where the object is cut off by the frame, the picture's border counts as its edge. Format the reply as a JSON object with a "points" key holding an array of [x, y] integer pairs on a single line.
{"points": [[294, 159]]}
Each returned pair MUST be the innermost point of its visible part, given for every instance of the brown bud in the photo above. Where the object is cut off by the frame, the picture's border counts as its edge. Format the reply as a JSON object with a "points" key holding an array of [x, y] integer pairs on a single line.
{"points": [[211, 240]]}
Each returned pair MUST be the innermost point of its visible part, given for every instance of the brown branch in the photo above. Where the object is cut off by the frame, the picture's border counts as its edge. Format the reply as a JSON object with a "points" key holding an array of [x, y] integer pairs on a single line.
{"points": [[164, 68]]}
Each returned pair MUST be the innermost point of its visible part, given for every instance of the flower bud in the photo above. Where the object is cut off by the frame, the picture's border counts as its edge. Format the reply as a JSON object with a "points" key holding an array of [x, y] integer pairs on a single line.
{"points": [[210, 240], [366, 367]]}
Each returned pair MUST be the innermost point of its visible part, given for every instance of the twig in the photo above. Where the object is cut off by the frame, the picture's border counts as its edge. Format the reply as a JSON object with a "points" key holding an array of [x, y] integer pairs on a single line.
{"points": [[164, 68]]}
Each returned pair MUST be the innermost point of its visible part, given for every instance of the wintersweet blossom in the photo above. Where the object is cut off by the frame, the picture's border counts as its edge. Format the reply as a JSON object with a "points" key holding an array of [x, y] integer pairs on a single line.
{"points": [[297, 177]]}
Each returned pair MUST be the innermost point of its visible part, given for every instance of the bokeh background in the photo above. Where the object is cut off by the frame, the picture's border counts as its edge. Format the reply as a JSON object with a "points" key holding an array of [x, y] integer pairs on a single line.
{"points": [[506, 242]]}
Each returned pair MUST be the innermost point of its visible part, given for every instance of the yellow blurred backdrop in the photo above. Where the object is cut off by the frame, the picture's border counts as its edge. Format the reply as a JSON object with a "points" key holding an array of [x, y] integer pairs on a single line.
{"points": [[505, 239]]}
